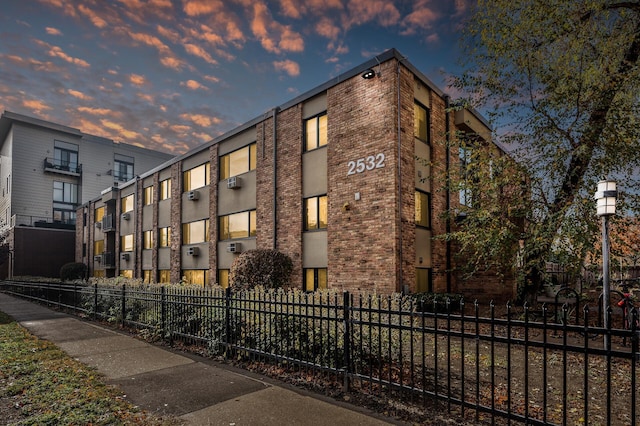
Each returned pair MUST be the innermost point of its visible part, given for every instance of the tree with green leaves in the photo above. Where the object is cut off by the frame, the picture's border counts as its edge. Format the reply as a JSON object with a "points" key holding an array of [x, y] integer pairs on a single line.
{"points": [[560, 82]]}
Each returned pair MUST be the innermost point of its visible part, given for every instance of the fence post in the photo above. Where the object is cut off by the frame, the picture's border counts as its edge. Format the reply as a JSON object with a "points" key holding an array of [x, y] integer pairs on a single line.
{"points": [[346, 307], [95, 301], [124, 303], [227, 321], [163, 311]]}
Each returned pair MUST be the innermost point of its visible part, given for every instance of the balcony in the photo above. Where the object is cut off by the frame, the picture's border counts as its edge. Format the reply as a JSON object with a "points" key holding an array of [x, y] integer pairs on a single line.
{"points": [[42, 222], [54, 165]]}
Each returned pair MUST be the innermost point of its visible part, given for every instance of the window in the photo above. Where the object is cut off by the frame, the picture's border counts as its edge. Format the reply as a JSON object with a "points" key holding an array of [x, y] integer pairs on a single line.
{"points": [[147, 276], [65, 156], [98, 247], [126, 273], [465, 154], [98, 214], [126, 242], [196, 276], [223, 278], [148, 195], [195, 232], [126, 204], [165, 189], [65, 201], [238, 162], [99, 273], [238, 225], [421, 123], [315, 132], [315, 213], [423, 209], [315, 279], [147, 237], [164, 276], [122, 168], [423, 280], [164, 237], [196, 177]]}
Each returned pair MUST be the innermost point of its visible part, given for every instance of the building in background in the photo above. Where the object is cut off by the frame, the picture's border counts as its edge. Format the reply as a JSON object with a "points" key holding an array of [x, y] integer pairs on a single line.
{"points": [[347, 179], [47, 171]]}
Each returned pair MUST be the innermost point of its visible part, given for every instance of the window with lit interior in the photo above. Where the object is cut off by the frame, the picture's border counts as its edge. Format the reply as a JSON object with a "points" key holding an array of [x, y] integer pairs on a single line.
{"points": [[164, 237], [126, 242], [238, 225], [196, 177], [315, 132], [148, 195], [238, 162], [165, 189], [315, 279], [126, 204], [421, 123], [147, 237], [195, 232], [315, 213], [423, 209], [223, 278]]}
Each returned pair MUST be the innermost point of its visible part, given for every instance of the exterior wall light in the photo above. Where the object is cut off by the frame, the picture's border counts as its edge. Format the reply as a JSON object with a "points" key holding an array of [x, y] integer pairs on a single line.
{"points": [[368, 74]]}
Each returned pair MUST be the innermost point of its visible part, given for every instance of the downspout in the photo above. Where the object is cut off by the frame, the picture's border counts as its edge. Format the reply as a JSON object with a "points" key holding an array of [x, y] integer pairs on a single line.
{"points": [[275, 177], [399, 282], [447, 166]]}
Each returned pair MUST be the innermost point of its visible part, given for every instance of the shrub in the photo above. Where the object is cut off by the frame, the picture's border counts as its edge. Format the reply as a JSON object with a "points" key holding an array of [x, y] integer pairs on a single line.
{"points": [[266, 268], [73, 271]]}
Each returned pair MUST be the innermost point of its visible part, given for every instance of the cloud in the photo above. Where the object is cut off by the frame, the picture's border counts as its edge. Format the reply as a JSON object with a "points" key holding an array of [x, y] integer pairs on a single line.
{"points": [[167, 57], [200, 119], [137, 80], [200, 53], [79, 95], [327, 28], [290, 67], [36, 105], [146, 97], [420, 19], [363, 11], [57, 52], [211, 78], [193, 85], [201, 7], [99, 111], [274, 37], [93, 16], [53, 31], [204, 137], [121, 131]]}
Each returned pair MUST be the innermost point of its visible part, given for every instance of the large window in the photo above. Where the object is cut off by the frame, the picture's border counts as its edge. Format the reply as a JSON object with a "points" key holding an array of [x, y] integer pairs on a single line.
{"points": [[98, 247], [148, 195], [126, 242], [98, 214], [196, 276], [165, 189], [238, 225], [315, 132], [196, 177], [238, 162], [223, 278], [65, 201], [164, 276], [315, 279], [423, 209], [126, 273], [147, 276], [164, 237], [421, 122], [315, 213], [65, 156], [147, 237], [126, 203], [195, 232], [122, 168]]}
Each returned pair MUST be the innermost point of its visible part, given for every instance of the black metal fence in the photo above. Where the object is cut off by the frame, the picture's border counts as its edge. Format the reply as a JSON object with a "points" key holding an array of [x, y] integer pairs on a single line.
{"points": [[485, 364]]}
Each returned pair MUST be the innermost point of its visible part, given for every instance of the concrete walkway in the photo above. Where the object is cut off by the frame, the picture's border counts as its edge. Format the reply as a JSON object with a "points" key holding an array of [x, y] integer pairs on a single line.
{"points": [[195, 389]]}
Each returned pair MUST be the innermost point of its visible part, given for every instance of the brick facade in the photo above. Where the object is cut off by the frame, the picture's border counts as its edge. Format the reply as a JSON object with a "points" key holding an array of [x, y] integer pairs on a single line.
{"points": [[371, 236]]}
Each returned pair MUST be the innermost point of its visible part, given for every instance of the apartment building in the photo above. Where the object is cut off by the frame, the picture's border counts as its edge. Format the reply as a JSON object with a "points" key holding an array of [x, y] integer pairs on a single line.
{"points": [[346, 179], [47, 171]]}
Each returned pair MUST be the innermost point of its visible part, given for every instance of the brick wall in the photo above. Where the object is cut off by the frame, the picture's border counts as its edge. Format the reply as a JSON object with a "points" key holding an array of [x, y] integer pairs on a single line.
{"points": [[176, 222], [213, 215]]}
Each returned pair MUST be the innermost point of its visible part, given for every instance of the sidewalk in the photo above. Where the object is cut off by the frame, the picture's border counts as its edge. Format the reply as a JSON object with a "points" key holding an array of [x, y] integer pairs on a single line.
{"points": [[195, 389]]}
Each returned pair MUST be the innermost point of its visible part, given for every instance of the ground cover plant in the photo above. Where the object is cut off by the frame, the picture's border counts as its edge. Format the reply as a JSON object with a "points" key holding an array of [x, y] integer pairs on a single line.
{"points": [[41, 385]]}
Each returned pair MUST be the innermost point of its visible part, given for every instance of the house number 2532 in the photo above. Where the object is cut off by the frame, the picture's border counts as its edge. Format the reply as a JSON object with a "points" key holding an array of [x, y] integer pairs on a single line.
{"points": [[363, 164]]}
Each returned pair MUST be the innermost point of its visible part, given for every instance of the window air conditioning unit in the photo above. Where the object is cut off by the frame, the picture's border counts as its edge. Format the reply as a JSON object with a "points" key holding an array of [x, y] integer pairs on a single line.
{"points": [[234, 183], [234, 248], [193, 195], [126, 216], [124, 256], [97, 258], [98, 225], [193, 251]]}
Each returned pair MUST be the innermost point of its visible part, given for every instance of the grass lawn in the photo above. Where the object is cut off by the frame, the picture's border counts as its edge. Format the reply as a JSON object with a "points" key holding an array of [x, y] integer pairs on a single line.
{"points": [[41, 385]]}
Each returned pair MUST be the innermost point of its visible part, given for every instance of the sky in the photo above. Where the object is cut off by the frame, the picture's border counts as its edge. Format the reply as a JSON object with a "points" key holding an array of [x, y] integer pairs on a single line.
{"points": [[171, 75]]}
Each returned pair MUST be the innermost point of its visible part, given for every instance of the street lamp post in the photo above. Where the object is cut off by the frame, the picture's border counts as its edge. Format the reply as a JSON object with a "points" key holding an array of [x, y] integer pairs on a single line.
{"points": [[606, 206]]}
